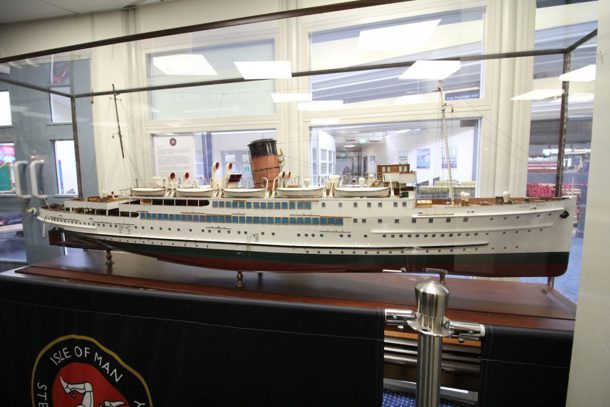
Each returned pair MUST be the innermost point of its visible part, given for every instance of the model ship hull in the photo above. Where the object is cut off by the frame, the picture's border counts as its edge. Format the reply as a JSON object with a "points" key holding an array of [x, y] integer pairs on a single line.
{"points": [[329, 234]]}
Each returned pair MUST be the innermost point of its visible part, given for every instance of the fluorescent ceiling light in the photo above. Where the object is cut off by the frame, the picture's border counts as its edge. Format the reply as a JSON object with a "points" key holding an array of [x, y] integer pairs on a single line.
{"points": [[319, 105], [585, 74], [577, 98], [539, 94], [431, 70], [264, 69], [396, 37], [291, 97], [349, 146], [184, 64], [325, 121], [431, 97]]}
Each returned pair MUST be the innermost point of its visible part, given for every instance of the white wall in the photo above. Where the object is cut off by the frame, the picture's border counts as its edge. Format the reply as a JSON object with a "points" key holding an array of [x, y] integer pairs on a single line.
{"points": [[590, 369], [460, 139]]}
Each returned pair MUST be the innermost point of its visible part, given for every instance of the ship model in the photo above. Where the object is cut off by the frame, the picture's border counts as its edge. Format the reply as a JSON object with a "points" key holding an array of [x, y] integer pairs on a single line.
{"points": [[368, 226]]}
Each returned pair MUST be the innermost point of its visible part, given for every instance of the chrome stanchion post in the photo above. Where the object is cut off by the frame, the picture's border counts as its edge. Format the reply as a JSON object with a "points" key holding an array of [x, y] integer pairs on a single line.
{"points": [[432, 298]]}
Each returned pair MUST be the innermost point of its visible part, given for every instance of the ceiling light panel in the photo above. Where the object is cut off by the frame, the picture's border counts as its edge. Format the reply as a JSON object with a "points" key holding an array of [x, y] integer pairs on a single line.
{"points": [[264, 69], [430, 70], [404, 36], [291, 97], [585, 74], [539, 94], [184, 65]]}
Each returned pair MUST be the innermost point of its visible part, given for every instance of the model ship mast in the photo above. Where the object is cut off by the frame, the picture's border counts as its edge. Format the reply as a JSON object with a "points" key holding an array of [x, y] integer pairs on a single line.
{"points": [[441, 87]]}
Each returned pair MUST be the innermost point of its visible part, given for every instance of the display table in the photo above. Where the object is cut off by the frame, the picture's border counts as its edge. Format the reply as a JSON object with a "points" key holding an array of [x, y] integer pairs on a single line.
{"points": [[154, 330], [505, 303]]}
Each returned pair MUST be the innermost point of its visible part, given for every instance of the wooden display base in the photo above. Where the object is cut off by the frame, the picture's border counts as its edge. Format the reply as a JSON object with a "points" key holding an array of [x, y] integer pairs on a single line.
{"points": [[507, 303]]}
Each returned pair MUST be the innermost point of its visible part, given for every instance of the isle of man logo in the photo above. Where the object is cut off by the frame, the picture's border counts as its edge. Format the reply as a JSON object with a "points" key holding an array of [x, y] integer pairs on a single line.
{"points": [[78, 371]]}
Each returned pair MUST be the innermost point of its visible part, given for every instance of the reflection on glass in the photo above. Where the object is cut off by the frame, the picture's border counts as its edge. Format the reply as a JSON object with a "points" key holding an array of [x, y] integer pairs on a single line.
{"points": [[233, 99], [358, 149], [65, 165], [5, 109], [450, 33]]}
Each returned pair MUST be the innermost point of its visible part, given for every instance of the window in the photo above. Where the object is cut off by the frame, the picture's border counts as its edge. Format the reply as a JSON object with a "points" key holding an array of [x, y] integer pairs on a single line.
{"points": [[65, 167], [417, 142], [61, 110], [347, 46], [234, 99], [6, 118]]}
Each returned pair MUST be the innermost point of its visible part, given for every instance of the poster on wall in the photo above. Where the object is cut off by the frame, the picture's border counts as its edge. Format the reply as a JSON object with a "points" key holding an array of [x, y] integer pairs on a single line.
{"points": [[423, 158], [175, 153], [60, 71], [453, 157], [403, 157], [7, 158]]}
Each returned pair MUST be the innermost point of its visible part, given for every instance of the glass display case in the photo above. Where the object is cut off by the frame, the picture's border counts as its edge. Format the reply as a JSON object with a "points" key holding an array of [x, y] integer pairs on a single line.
{"points": [[99, 119]]}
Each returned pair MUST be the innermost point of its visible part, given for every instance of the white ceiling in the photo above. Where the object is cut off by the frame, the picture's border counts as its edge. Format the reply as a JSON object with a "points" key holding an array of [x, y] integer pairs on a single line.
{"points": [[17, 11]]}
